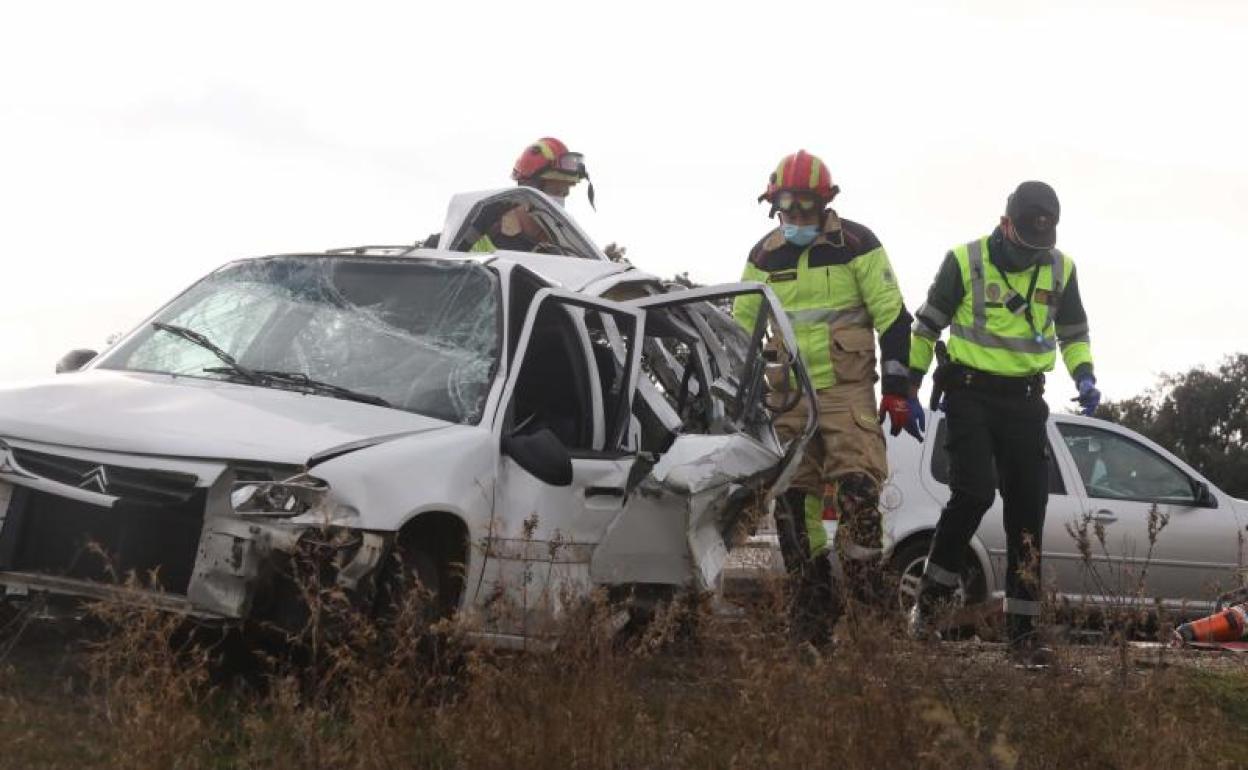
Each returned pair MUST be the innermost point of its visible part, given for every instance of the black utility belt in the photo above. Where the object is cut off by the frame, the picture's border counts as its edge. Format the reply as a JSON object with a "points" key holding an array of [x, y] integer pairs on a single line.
{"points": [[959, 377]]}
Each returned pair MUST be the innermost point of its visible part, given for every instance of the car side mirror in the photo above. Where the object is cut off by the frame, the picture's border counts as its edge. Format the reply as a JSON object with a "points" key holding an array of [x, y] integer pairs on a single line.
{"points": [[74, 360], [1204, 496], [542, 454]]}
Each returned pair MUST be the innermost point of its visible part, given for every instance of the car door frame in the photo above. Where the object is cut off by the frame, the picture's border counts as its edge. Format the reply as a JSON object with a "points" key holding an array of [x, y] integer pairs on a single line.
{"points": [[465, 207], [523, 553], [793, 453], [687, 500]]}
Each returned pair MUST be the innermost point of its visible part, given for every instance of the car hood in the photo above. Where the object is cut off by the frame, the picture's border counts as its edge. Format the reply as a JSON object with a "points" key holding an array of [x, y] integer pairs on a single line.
{"points": [[190, 417]]}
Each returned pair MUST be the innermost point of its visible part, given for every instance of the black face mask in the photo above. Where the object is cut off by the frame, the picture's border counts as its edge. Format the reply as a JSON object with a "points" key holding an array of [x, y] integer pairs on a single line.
{"points": [[1015, 258]]}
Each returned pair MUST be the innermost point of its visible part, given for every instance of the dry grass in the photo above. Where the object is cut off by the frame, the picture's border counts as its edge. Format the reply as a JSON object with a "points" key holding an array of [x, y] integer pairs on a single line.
{"points": [[693, 690]]}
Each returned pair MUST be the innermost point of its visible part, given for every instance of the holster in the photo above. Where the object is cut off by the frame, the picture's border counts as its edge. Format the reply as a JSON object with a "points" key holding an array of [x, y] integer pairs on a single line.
{"points": [[941, 376]]}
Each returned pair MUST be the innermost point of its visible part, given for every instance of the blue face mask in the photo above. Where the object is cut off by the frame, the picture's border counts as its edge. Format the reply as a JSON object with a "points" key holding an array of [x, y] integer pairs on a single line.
{"points": [[800, 235]]}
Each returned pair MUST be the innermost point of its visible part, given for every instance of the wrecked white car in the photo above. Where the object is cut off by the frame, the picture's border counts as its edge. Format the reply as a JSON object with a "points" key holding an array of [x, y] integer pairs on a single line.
{"points": [[513, 429]]}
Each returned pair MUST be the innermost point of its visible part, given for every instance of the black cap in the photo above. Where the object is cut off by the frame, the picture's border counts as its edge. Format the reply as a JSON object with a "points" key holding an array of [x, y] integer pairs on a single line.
{"points": [[1034, 210]]}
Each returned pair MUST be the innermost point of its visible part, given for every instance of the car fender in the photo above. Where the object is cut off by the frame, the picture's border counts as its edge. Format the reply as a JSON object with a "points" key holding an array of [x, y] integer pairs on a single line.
{"points": [[450, 470]]}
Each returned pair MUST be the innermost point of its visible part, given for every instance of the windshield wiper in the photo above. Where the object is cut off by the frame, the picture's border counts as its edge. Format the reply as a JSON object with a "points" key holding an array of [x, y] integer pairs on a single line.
{"points": [[266, 377], [301, 380], [231, 365]]}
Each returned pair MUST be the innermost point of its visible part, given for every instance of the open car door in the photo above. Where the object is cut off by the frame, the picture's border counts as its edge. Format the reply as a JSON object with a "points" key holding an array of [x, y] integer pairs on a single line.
{"points": [[708, 453], [565, 454]]}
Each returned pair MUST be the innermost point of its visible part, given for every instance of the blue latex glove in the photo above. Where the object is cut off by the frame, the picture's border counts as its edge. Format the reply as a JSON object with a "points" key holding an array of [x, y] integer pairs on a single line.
{"points": [[1089, 397], [917, 424]]}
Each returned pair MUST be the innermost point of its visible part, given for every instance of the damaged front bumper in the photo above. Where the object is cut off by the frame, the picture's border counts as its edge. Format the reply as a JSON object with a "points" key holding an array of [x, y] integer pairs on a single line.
{"points": [[242, 564], [215, 548], [243, 570]]}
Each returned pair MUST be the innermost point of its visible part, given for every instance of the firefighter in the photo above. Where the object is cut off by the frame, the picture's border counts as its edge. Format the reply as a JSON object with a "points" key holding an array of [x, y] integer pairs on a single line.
{"points": [[836, 285], [545, 165], [1008, 298]]}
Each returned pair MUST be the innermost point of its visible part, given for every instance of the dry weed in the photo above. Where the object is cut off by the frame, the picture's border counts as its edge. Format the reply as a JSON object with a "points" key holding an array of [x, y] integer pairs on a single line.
{"points": [[690, 689]]}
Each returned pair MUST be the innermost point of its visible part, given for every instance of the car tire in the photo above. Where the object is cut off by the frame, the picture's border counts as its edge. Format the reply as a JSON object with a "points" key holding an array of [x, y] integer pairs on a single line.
{"points": [[417, 568], [907, 565]]}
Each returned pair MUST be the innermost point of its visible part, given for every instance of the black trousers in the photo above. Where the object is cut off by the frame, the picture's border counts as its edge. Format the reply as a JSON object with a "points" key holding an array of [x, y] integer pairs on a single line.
{"points": [[994, 440]]}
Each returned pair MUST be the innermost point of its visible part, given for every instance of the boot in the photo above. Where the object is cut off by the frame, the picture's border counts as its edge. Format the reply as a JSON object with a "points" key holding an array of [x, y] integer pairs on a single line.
{"points": [[859, 536], [922, 623], [817, 604]]}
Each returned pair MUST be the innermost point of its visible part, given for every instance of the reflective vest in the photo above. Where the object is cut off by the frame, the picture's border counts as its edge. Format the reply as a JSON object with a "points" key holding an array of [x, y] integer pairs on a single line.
{"points": [[832, 306], [991, 330]]}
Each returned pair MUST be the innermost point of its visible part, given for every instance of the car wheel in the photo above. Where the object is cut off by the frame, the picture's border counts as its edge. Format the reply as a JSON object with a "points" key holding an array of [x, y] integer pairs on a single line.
{"points": [[908, 563], [416, 569]]}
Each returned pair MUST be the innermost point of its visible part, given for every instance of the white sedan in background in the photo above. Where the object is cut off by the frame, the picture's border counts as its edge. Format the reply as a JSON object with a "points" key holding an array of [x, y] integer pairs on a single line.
{"points": [[1101, 475]]}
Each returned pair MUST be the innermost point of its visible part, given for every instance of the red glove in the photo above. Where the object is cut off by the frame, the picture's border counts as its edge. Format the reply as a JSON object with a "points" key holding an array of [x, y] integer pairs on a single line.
{"points": [[903, 414]]}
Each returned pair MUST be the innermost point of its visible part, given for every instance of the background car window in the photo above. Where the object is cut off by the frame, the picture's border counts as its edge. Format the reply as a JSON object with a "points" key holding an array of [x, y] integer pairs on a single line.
{"points": [[1115, 467], [940, 463]]}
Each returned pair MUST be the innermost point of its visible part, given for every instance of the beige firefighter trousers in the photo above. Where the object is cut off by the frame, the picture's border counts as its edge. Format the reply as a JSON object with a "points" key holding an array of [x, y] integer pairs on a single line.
{"points": [[849, 438], [848, 441]]}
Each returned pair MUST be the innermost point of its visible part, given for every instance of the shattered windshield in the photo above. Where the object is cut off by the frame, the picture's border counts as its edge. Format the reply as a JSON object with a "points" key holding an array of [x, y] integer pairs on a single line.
{"points": [[423, 335]]}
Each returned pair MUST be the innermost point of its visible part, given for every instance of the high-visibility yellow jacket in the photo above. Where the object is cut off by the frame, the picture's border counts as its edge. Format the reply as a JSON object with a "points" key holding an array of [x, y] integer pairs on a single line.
{"points": [[1006, 323], [837, 292]]}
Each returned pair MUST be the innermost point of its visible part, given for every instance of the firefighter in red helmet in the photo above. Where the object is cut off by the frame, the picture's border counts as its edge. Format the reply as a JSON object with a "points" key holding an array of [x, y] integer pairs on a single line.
{"points": [[545, 165], [839, 291], [548, 165]]}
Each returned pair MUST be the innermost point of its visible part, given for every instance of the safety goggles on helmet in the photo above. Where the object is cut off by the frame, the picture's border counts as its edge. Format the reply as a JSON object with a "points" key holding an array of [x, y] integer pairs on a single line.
{"points": [[568, 167], [787, 201], [571, 163]]}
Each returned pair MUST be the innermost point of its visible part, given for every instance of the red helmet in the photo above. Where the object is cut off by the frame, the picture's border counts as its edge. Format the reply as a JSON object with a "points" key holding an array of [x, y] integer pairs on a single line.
{"points": [[549, 158], [800, 173]]}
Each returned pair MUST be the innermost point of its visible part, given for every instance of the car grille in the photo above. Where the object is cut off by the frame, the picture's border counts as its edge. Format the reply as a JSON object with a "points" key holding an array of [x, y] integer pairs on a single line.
{"points": [[137, 485], [48, 534]]}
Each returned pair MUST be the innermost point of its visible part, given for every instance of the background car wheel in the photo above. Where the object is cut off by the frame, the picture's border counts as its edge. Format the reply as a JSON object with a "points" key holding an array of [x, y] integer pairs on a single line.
{"points": [[908, 562]]}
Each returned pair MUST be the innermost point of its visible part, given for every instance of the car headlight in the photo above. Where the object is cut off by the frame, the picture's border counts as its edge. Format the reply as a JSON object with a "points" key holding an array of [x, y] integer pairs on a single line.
{"points": [[294, 496]]}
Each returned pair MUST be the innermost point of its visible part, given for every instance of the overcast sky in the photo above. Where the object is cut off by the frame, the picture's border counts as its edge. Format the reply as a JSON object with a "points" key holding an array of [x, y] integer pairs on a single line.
{"points": [[144, 144]]}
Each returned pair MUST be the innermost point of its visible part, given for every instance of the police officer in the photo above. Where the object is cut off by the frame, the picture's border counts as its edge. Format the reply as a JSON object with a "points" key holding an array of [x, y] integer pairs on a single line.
{"points": [[1008, 298], [836, 285]]}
